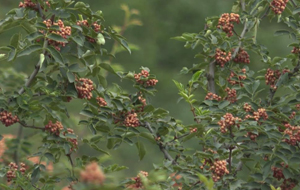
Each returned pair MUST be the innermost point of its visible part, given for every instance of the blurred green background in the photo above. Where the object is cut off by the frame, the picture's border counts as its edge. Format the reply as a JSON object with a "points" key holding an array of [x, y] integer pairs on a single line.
{"points": [[165, 57]]}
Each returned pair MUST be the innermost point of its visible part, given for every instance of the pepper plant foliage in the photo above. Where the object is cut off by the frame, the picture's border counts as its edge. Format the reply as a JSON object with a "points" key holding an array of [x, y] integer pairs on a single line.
{"points": [[246, 126]]}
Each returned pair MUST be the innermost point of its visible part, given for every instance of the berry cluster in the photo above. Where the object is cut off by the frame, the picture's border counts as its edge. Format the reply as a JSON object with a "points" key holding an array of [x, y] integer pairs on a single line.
{"points": [[64, 31], [193, 130], [239, 78], [278, 6], [8, 119], [212, 96], [231, 95], [251, 135], [293, 114], [247, 107], [287, 184], [296, 50], [294, 134], [147, 82], [54, 128], [92, 174], [298, 106], [131, 120], [73, 141], [138, 182], [84, 88], [96, 27], [226, 22], [242, 56], [219, 169], [222, 57], [30, 4], [101, 102], [261, 113], [3, 146], [143, 102], [13, 168], [227, 122], [272, 76]]}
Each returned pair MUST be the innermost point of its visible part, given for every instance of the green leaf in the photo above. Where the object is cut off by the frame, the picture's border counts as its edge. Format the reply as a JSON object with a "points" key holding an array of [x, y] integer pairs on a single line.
{"points": [[100, 39], [14, 40], [223, 104], [296, 11], [57, 38], [148, 136], [36, 175], [49, 156], [197, 75], [141, 149], [76, 68], [42, 59], [71, 77], [108, 67], [29, 50], [281, 32], [94, 146], [125, 45], [56, 55], [78, 40]]}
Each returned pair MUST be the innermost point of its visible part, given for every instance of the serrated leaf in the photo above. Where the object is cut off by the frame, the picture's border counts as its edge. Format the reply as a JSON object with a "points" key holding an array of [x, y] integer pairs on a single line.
{"points": [[56, 55], [223, 104], [108, 67], [57, 38], [141, 149], [36, 175], [94, 146], [29, 50]]}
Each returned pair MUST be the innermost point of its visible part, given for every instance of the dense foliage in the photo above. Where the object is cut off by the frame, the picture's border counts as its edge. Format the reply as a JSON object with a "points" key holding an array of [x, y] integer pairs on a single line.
{"points": [[246, 127]]}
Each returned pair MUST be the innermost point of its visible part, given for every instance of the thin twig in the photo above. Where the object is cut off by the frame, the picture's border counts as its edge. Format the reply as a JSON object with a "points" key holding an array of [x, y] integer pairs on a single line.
{"points": [[210, 76], [31, 126], [179, 137], [266, 13], [19, 137]]}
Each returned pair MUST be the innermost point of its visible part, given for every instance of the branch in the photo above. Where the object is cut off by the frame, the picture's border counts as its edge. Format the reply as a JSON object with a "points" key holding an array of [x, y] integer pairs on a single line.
{"points": [[29, 126], [160, 145], [180, 137], [19, 137], [210, 76]]}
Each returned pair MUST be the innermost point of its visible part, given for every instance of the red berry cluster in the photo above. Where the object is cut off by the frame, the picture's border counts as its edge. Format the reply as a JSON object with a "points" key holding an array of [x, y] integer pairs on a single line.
{"points": [[251, 135], [296, 50], [293, 114], [143, 102], [219, 169], [293, 132], [239, 77], [247, 107], [227, 122], [54, 128], [222, 57], [226, 22], [30, 4], [92, 174], [278, 6], [101, 102], [8, 119], [145, 74], [84, 88], [138, 182], [74, 141], [212, 96], [64, 31], [272, 76], [13, 168], [287, 184], [193, 130], [231, 95], [242, 56], [298, 106], [131, 120], [96, 27]]}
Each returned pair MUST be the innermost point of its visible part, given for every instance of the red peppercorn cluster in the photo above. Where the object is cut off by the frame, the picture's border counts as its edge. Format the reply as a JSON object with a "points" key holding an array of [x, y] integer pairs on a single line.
{"points": [[13, 168], [298, 106], [138, 182], [54, 128], [95, 25], [296, 50], [294, 134], [8, 119], [219, 169], [64, 31], [212, 96], [92, 174], [272, 76], [278, 6], [226, 22], [145, 74], [193, 130], [231, 95], [131, 120], [251, 135], [242, 56], [30, 4], [239, 79], [247, 107], [101, 102], [74, 141], [227, 122], [287, 184], [293, 114], [222, 57], [84, 88]]}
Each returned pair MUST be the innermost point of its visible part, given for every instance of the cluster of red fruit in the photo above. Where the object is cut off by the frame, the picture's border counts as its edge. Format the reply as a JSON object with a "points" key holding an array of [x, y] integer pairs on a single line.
{"points": [[226, 22], [101, 102], [8, 119], [64, 31], [272, 76], [92, 174], [127, 118], [219, 169], [138, 182], [212, 96], [30, 4], [13, 168], [278, 6], [95, 25], [242, 56], [147, 82], [73, 141], [231, 95], [287, 184], [293, 114], [293, 132], [296, 50], [143, 102], [228, 122], [239, 78], [260, 113], [54, 128], [84, 88], [247, 107], [251, 135], [298, 106], [222, 57]]}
